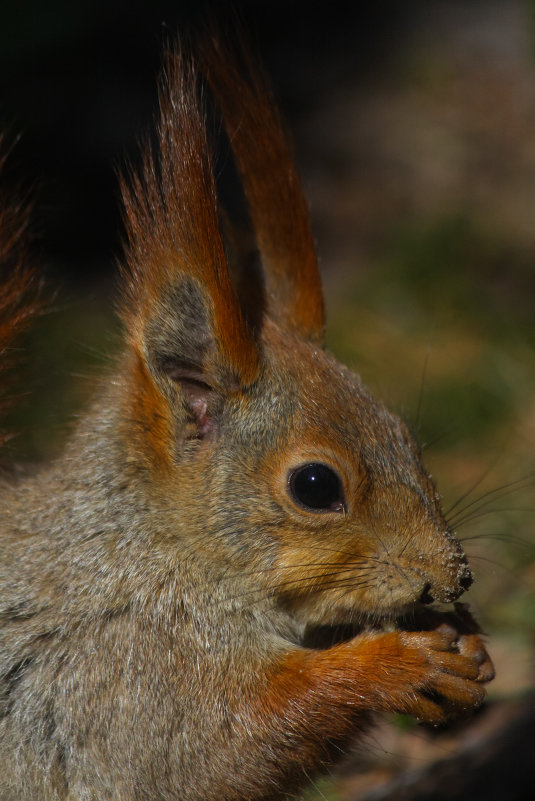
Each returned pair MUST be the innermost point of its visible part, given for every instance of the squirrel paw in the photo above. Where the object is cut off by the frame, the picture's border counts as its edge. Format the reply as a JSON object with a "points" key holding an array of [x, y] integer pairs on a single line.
{"points": [[444, 671]]}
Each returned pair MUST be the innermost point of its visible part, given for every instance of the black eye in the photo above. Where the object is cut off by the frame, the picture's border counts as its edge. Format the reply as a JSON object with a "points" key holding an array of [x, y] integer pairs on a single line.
{"points": [[317, 487]]}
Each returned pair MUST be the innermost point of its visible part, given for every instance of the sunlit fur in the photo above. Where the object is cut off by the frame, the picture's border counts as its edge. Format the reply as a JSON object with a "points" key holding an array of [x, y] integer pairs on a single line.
{"points": [[159, 587]]}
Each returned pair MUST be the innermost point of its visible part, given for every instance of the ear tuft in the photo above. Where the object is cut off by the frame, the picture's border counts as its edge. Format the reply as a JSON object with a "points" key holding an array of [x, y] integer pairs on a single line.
{"points": [[180, 307], [271, 183]]}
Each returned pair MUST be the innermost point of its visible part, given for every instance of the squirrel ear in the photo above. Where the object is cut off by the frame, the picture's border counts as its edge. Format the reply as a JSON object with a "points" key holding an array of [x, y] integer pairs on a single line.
{"points": [[271, 184], [181, 313]]}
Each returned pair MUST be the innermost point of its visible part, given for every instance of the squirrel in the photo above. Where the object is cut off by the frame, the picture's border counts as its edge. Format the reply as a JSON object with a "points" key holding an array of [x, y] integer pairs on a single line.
{"points": [[233, 561]]}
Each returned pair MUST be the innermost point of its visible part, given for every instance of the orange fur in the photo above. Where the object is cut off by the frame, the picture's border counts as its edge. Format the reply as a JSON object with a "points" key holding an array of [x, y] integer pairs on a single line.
{"points": [[172, 222], [147, 419], [356, 676], [278, 208]]}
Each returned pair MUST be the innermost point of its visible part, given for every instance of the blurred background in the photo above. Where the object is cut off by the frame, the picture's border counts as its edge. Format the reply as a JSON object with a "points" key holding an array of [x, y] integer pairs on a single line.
{"points": [[414, 128]]}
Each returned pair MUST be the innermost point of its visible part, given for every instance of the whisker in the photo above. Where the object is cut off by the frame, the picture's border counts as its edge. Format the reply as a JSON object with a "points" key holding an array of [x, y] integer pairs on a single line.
{"points": [[276, 590], [339, 569], [509, 538], [314, 785], [513, 572], [474, 486], [494, 494], [405, 546], [447, 432], [485, 512]]}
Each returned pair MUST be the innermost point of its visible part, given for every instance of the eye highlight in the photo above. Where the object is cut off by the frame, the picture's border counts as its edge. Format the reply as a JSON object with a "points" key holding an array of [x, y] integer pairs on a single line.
{"points": [[317, 487]]}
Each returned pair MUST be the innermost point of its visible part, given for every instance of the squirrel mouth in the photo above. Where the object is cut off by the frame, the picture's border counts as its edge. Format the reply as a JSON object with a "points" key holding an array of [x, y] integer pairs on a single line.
{"points": [[418, 618], [325, 635]]}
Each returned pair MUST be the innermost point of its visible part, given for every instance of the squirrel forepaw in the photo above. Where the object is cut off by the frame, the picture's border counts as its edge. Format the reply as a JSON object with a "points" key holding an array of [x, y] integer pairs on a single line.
{"points": [[453, 670]]}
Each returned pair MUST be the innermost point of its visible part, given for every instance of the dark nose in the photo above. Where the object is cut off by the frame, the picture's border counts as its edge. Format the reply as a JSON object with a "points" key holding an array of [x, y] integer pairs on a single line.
{"points": [[467, 579], [464, 582]]}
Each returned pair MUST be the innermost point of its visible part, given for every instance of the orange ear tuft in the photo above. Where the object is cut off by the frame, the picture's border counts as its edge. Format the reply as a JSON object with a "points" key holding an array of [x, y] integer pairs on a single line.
{"points": [[147, 417], [272, 186], [173, 232]]}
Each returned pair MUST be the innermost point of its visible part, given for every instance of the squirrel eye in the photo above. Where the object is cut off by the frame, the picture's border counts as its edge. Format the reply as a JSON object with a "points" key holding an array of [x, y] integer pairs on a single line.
{"points": [[317, 487]]}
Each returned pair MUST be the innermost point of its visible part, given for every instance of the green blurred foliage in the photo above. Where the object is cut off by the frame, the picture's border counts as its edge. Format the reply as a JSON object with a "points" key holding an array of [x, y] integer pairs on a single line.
{"points": [[463, 299], [69, 349]]}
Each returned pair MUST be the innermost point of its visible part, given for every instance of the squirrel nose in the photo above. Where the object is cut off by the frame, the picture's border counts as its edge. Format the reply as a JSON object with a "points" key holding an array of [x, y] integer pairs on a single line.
{"points": [[467, 579]]}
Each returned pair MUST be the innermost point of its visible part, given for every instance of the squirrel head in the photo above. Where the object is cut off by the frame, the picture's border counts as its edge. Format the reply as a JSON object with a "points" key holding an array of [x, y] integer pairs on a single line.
{"points": [[275, 457]]}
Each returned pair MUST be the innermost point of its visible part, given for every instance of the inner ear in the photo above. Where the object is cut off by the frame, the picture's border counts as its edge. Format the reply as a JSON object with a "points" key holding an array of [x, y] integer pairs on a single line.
{"points": [[180, 346], [197, 394]]}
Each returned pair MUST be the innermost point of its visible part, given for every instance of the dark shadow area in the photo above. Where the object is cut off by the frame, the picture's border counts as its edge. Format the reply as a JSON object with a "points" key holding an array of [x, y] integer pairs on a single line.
{"points": [[77, 83]]}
